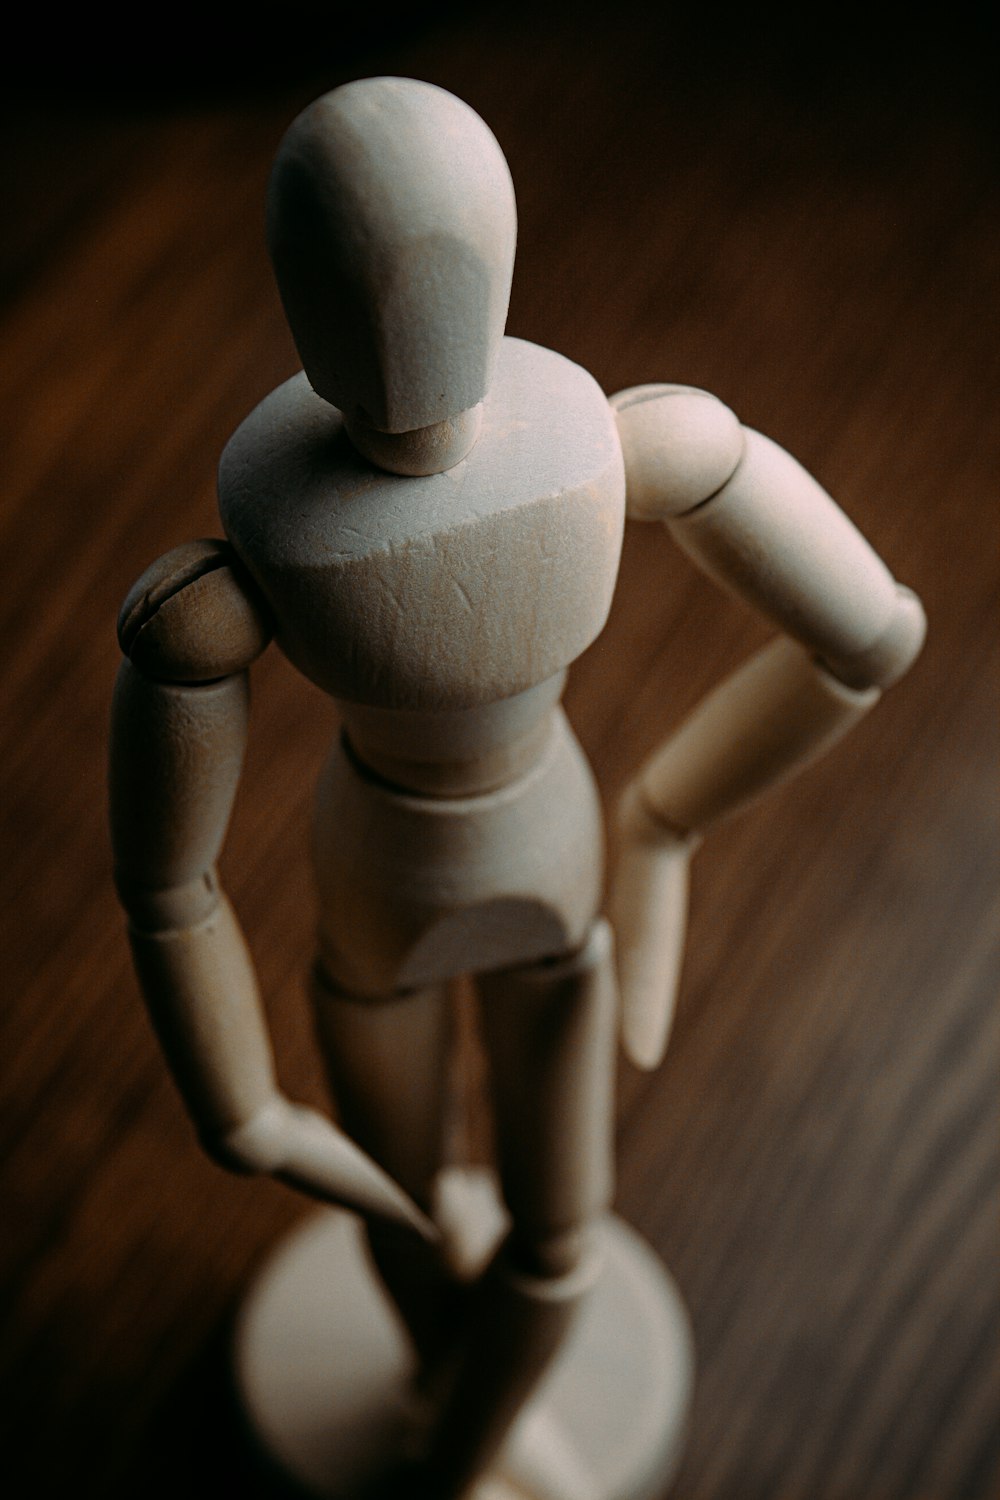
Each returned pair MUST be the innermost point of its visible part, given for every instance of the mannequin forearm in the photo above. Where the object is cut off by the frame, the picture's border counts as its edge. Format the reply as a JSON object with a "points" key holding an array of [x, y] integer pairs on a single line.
{"points": [[773, 716], [202, 996]]}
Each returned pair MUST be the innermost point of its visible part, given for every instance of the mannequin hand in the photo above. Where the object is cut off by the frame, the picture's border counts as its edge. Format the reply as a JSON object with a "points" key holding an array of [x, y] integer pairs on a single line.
{"points": [[649, 914], [303, 1148]]}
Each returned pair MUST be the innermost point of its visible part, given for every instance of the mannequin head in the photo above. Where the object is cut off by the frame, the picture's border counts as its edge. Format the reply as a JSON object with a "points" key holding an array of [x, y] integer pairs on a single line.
{"points": [[392, 226]]}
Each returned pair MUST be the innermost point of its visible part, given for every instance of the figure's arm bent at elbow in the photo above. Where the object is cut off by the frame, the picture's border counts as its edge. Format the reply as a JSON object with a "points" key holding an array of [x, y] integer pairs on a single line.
{"points": [[764, 530]]}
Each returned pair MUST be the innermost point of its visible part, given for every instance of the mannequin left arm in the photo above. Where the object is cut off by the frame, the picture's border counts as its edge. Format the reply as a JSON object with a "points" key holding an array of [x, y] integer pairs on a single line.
{"points": [[761, 527]]}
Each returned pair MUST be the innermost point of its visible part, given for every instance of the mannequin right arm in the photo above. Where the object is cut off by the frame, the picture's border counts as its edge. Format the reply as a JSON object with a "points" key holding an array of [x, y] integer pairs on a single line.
{"points": [[177, 751], [190, 629]]}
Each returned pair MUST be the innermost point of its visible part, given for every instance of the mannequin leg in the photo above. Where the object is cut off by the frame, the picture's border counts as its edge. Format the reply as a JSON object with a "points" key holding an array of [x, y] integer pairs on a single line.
{"points": [[549, 1033], [387, 1061]]}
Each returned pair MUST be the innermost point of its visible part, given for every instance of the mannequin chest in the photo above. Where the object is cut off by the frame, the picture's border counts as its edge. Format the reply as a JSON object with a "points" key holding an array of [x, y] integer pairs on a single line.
{"points": [[439, 591]]}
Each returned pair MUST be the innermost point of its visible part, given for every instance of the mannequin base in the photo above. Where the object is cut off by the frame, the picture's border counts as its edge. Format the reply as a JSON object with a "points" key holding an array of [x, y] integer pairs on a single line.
{"points": [[324, 1372]]}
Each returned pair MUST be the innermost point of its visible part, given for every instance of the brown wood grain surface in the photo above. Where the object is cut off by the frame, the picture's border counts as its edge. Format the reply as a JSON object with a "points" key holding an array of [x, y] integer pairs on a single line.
{"points": [[804, 221]]}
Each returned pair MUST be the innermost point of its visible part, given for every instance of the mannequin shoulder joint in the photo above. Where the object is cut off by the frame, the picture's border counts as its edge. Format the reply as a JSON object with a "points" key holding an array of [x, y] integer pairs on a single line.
{"points": [[194, 616], [680, 446]]}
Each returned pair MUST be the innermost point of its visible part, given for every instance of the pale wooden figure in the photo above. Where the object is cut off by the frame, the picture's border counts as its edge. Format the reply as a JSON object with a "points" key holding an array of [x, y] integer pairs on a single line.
{"points": [[428, 520]]}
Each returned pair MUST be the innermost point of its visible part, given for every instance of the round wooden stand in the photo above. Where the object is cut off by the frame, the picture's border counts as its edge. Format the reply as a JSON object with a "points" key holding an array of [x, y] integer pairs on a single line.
{"points": [[323, 1371]]}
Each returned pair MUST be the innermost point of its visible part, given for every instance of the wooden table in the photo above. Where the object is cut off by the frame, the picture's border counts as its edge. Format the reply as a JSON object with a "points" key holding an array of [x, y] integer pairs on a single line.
{"points": [[804, 223]]}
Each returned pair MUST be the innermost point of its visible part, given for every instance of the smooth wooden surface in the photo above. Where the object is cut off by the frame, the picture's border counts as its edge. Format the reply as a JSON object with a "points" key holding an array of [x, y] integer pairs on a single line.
{"points": [[803, 222]]}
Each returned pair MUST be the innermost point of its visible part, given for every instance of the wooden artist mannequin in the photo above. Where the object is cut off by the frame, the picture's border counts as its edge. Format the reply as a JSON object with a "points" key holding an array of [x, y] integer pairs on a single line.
{"points": [[428, 521]]}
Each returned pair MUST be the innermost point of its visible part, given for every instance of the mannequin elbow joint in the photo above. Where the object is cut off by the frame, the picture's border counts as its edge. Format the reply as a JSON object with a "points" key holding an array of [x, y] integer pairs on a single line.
{"points": [[893, 652]]}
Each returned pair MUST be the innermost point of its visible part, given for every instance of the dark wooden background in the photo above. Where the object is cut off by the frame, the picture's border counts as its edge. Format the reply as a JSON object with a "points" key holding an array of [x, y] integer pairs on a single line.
{"points": [[801, 217]]}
